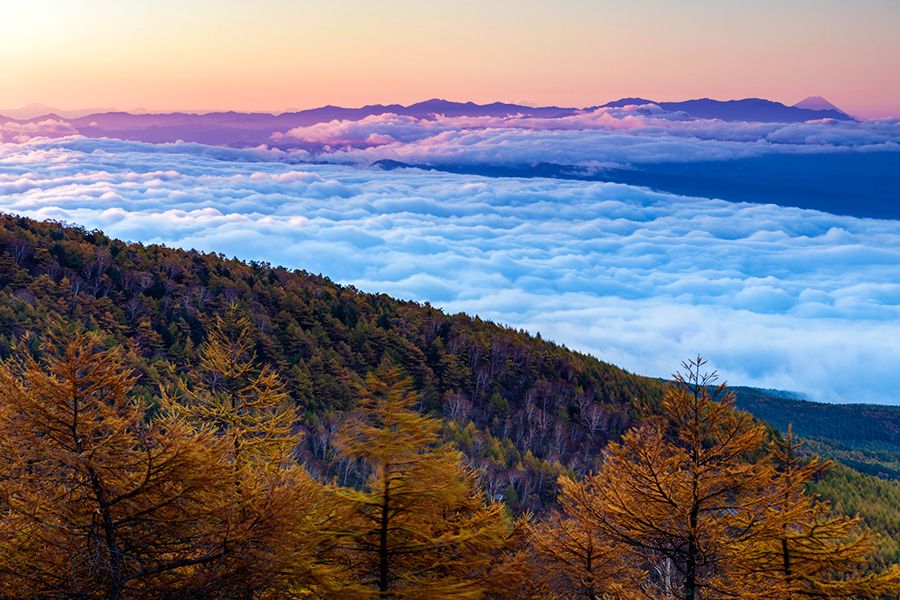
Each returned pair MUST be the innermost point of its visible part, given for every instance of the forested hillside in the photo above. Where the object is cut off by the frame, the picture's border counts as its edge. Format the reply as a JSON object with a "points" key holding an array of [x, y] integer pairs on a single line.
{"points": [[523, 411], [863, 438], [856, 424]]}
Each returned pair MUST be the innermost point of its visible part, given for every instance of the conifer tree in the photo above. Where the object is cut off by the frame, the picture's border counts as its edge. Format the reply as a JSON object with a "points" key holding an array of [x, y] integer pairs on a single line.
{"points": [[808, 550], [576, 556], [514, 571], [239, 399], [680, 491], [420, 527], [276, 510], [96, 500]]}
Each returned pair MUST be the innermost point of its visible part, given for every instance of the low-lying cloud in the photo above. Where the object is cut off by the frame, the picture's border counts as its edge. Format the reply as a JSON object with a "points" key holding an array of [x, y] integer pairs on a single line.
{"points": [[600, 138], [16, 132], [776, 297]]}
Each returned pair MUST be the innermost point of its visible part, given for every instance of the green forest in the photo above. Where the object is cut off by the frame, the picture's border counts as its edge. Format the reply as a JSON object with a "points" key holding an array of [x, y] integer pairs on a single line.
{"points": [[175, 424]]}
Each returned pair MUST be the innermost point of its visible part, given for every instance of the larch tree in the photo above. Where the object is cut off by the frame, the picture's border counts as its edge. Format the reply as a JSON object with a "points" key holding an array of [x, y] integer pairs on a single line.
{"points": [[420, 527], [809, 550], [242, 401], [678, 493], [575, 556], [96, 499], [276, 510]]}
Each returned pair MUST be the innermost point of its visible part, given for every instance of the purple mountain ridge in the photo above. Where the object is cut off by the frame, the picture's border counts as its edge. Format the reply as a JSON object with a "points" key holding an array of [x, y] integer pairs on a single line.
{"points": [[241, 129], [748, 109]]}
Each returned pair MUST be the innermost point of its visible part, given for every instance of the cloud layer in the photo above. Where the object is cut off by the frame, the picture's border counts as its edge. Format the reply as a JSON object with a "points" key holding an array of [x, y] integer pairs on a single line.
{"points": [[777, 297], [599, 138]]}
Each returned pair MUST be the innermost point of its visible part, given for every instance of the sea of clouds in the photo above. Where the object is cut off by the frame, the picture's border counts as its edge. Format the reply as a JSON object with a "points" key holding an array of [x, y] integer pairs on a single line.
{"points": [[594, 139], [775, 297]]}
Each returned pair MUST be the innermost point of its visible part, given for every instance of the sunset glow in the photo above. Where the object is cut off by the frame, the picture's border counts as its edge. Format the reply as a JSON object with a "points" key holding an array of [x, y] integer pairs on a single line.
{"points": [[275, 55]]}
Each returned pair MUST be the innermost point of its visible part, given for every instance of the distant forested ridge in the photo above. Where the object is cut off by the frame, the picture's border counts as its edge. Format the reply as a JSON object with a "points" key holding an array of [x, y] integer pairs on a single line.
{"points": [[865, 437]]}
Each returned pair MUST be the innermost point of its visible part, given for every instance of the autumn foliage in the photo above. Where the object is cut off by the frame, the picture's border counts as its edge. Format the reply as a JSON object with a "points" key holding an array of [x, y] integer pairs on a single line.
{"points": [[196, 492], [419, 527], [97, 499]]}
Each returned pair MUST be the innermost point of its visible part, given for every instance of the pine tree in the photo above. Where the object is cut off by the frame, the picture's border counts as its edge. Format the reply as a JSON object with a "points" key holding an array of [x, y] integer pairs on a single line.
{"points": [[420, 527], [98, 501], [679, 491], [810, 551]]}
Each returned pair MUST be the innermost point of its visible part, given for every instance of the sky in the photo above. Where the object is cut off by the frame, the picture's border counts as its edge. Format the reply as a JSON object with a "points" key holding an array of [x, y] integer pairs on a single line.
{"points": [[774, 296], [274, 55]]}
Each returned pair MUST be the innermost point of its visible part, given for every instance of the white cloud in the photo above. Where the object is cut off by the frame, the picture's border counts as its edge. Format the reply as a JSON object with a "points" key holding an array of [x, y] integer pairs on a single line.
{"points": [[604, 137], [775, 296]]}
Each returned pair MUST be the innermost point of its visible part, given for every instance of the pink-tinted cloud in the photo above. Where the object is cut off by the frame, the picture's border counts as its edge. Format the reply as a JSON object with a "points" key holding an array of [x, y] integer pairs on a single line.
{"points": [[387, 128], [18, 133], [604, 136]]}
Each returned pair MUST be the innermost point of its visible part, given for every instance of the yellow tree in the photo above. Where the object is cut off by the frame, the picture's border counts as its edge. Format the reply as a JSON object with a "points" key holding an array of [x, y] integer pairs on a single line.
{"points": [[513, 571], [242, 401], [276, 510], [678, 493], [812, 552], [575, 556], [97, 501], [420, 527]]}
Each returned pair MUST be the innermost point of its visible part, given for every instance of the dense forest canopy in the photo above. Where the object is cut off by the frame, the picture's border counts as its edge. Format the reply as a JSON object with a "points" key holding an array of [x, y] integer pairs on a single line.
{"points": [[523, 409], [269, 364]]}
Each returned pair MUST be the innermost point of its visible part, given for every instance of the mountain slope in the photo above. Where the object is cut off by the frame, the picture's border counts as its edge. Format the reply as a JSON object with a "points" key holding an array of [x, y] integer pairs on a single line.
{"points": [[862, 436], [817, 103], [522, 409]]}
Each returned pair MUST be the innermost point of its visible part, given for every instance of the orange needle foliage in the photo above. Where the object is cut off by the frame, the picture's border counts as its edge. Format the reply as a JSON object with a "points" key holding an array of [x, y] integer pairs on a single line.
{"points": [[99, 498], [678, 492], [691, 498], [420, 528], [96, 500], [809, 551], [275, 510], [575, 556]]}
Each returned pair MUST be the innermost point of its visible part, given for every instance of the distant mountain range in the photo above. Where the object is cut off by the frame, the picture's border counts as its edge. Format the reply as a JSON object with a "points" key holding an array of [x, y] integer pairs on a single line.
{"points": [[748, 109], [241, 129]]}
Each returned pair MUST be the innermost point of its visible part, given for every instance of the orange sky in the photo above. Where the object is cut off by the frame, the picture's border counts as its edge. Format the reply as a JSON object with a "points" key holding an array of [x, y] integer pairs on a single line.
{"points": [[279, 54]]}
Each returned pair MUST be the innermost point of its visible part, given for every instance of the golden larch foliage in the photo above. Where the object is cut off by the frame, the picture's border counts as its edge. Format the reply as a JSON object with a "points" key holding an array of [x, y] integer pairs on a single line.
{"points": [[240, 400], [801, 545], [420, 527], [96, 499], [679, 492], [575, 556], [276, 511]]}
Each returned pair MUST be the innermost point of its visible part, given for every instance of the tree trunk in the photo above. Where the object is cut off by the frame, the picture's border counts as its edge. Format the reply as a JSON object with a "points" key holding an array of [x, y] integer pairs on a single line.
{"points": [[383, 555], [690, 571], [591, 594], [786, 562]]}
